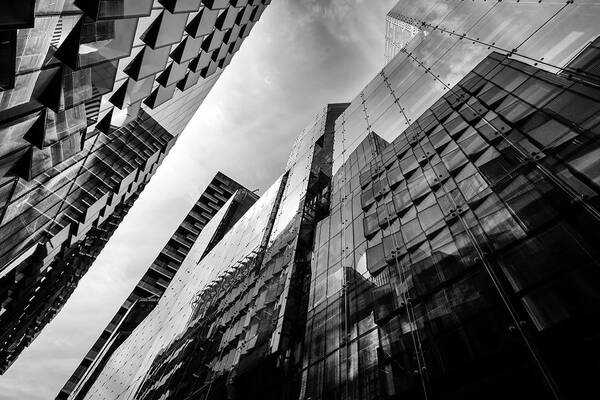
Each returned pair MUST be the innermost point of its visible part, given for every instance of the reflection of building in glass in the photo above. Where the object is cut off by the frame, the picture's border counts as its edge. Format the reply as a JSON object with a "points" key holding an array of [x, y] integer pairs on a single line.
{"points": [[450, 251], [397, 34], [154, 283], [93, 94]]}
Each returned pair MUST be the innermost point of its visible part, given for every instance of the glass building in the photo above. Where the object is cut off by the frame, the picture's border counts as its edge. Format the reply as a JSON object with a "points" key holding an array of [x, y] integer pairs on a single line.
{"points": [[93, 94], [247, 282], [156, 280], [436, 238]]}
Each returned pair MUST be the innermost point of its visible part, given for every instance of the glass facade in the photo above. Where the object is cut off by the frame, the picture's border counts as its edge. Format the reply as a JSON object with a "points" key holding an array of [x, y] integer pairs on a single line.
{"points": [[245, 283], [124, 371], [436, 238], [156, 280], [456, 36], [467, 258], [60, 226], [93, 94]]}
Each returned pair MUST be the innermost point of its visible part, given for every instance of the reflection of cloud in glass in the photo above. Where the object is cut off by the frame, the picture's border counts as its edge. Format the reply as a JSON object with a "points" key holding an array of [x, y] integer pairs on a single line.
{"points": [[538, 33]]}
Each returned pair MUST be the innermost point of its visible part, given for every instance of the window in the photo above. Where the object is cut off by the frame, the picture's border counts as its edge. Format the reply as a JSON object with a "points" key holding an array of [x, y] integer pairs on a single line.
{"points": [[537, 92], [514, 110], [574, 107], [455, 160], [321, 261], [501, 228], [411, 231], [551, 134], [367, 198], [472, 186], [508, 78], [456, 126], [371, 224], [540, 257], [588, 165], [394, 177], [402, 201], [335, 249], [334, 280], [382, 215], [431, 219], [375, 259]]}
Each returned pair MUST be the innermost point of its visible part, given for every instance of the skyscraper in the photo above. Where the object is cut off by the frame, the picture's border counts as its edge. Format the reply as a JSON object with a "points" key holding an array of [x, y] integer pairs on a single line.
{"points": [[93, 95], [448, 252], [252, 259], [153, 284], [397, 34]]}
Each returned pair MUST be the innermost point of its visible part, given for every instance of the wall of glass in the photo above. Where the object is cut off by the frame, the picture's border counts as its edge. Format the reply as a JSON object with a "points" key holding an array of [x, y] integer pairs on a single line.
{"points": [[456, 36], [462, 255]]}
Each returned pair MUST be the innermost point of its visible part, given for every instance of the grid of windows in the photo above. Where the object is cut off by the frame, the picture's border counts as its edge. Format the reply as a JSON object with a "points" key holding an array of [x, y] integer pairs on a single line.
{"points": [[74, 215], [468, 245]]}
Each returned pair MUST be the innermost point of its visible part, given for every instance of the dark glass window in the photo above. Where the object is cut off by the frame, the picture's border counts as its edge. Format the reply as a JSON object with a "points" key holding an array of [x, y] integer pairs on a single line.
{"points": [[112, 9], [537, 92], [502, 229], [166, 29], [551, 134], [335, 249], [375, 259], [574, 107], [367, 198], [371, 224]]}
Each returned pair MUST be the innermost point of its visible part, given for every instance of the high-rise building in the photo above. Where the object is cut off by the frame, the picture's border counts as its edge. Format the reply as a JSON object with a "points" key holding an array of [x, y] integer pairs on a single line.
{"points": [[252, 262], [434, 239], [93, 94], [155, 281]]}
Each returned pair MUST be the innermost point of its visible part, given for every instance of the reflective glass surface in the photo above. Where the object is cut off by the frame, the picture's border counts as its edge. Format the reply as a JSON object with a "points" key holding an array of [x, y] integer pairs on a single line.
{"points": [[124, 371], [455, 37]]}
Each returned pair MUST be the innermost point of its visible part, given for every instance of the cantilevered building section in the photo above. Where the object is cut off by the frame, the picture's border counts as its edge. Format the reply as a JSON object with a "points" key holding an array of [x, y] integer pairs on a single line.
{"points": [[238, 306], [93, 94], [156, 280]]}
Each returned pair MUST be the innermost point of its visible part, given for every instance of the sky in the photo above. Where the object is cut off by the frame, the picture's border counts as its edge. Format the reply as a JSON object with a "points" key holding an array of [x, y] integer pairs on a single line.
{"points": [[300, 56]]}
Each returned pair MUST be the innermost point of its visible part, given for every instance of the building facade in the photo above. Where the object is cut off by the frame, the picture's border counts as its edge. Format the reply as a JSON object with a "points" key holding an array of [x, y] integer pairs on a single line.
{"points": [[248, 279], [77, 211], [467, 250], [433, 239], [93, 94], [156, 280]]}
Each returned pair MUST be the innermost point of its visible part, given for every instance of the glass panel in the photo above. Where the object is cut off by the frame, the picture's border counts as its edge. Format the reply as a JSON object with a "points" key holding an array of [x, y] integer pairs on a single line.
{"points": [[105, 40]]}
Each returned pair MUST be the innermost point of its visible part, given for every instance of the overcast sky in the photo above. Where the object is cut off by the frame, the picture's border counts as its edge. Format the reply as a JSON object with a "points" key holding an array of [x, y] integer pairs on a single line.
{"points": [[301, 55]]}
